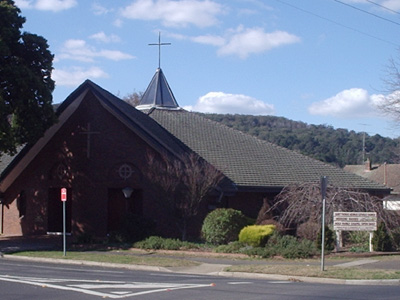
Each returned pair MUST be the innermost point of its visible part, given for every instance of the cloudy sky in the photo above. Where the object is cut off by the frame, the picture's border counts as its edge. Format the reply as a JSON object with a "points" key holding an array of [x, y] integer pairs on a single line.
{"points": [[316, 61]]}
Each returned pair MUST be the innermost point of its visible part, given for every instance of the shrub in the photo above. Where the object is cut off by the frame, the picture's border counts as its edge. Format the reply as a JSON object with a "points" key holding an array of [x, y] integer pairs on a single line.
{"points": [[358, 239], [156, 242], [396, 238], [381, 241], [256, 235], [222, 226], [308, 230], [233, 247], [329, 239], [290, 247]]}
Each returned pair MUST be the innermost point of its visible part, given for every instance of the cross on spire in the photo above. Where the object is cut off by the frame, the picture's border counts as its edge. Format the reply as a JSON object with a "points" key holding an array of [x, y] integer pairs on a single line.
{"points": [[159, 44]]}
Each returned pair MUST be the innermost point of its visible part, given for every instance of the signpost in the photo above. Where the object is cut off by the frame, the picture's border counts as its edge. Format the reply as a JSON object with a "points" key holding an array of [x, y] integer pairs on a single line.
{"points": [[324, 184], [355, 221], [64, 199]]}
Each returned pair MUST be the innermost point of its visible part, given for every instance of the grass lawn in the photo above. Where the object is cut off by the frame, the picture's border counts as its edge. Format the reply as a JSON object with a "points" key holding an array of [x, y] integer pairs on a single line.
{"points": [[301, 267]]}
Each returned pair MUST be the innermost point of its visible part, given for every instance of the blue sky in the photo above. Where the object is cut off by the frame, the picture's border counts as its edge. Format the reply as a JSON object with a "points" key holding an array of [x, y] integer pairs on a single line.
{"points": [[316, 61]]}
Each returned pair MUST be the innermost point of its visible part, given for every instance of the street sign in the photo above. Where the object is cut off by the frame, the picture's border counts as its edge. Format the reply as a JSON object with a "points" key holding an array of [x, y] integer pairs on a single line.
{"points": [[354, 221], [63, 194]]}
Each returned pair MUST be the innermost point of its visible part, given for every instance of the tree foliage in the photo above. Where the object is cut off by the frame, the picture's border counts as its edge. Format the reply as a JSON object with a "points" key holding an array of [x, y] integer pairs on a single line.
{"points": [[25, 82], [301, 203], [185, 182], [339, 147], [133, 98]]}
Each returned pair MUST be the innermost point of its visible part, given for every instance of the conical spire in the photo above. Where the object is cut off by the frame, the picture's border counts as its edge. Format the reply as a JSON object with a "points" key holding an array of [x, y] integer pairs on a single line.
{"points": [[158, 93]]}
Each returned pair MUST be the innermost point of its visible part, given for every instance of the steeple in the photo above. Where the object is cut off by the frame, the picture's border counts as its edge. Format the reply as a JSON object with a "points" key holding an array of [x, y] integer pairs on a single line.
{"points": [[158, 94]]}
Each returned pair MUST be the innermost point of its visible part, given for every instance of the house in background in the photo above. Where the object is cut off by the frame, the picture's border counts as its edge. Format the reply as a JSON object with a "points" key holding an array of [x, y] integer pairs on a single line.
{"points": [[98, 149], [385, 174]]}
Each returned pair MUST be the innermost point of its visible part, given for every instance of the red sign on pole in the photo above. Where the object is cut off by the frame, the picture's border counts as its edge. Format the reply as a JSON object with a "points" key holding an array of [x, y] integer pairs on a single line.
{"points": [[63, 194]]}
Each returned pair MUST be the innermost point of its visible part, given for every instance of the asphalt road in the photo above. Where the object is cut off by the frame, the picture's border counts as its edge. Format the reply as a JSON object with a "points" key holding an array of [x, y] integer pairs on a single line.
{"points": [[33, 280]]}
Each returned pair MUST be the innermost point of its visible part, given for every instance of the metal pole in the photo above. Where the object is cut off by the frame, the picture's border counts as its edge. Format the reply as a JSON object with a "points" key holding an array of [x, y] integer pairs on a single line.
{"points": [[64, 232], [324, 183]]}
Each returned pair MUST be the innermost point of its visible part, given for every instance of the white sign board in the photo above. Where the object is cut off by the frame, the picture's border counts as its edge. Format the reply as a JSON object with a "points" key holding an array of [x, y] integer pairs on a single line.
{"points": [[354, 221]]}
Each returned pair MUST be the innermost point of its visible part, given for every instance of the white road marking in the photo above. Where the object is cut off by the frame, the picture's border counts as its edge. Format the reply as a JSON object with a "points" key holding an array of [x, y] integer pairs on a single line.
{"points": [[243, 282], [90, 286]]}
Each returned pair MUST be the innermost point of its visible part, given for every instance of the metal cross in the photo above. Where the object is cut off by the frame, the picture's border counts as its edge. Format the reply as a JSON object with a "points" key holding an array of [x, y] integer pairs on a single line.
{"points": [[159, 44], [88, 134]]}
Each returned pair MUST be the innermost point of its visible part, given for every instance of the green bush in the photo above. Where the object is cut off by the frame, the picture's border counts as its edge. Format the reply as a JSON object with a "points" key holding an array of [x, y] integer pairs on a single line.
{"points": [[381, 241], [358, 240], [286, 246], [156, 242], [256, 235], [233, 247], [329, 239], [222, 226]]}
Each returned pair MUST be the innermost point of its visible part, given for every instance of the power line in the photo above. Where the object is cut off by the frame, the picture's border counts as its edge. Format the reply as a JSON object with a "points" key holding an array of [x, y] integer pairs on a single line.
{"points": [[367, 12], [384, 7], [337, 23]]}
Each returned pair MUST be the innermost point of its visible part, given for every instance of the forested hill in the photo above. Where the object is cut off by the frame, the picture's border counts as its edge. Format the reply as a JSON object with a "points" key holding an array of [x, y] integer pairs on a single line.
{"points": [[335, 146]]}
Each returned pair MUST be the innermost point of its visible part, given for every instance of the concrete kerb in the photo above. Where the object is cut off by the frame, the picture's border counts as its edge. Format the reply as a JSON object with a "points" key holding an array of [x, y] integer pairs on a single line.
{"points": [[212, 269]]}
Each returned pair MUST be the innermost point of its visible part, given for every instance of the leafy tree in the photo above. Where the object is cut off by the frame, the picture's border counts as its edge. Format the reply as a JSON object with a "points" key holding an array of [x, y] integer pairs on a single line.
{"points": [[185, 182], [335, 146], [25, 82]]}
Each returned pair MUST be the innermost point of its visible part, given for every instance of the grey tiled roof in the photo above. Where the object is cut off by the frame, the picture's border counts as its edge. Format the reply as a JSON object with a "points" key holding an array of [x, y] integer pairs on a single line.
{"points": [[248, 161]]}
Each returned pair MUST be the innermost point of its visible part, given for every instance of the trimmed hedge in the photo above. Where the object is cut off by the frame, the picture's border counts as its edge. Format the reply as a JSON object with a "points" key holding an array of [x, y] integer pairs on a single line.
{"points": [[222, 226], [256, 235]]}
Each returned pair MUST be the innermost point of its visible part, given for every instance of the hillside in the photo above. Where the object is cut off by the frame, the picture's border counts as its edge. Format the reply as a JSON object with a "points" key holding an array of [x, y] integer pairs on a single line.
{"points": [[335, 146]]}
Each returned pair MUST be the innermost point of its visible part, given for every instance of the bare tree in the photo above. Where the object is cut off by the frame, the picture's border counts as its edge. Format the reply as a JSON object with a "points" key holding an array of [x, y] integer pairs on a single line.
{"points": [[185, 182], [391, 103], [300, 203], [133, 98]]}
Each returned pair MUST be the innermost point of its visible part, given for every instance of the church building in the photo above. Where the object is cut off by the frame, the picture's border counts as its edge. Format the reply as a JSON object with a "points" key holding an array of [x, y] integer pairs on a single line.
{"points": [[97, 151]]}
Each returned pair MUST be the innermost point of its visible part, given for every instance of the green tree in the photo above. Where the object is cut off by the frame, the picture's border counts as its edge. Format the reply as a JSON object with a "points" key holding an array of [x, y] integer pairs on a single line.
{"points": [[25, 82]]}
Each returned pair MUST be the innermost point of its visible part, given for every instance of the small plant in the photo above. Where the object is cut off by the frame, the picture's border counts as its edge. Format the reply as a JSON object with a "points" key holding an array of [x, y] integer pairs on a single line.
{"points": [[256, 235], [222, 226], [358, 240], [381, 241], [156, 243], [233, 247], [329, 239], [308, 230]]}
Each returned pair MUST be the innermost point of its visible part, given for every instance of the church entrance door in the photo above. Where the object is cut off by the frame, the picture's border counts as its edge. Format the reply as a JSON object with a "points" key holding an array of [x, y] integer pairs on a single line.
{"points": [[119, 207]]}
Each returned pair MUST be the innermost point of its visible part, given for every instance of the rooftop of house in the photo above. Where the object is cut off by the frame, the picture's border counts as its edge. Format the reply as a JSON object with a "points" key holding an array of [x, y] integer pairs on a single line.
{"points": [[385, 174]]}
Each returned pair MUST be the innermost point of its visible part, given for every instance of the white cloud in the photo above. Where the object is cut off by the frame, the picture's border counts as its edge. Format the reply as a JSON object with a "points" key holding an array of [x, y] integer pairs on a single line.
{"points": [[99, 9], [246, 41], [102, 37], [76, 75], [243, 42], [390, 4], [23, 3], [219, 102], [50, 5], [81, 51], [351, 103], [210, 40], [175, 13]]}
